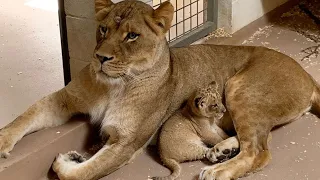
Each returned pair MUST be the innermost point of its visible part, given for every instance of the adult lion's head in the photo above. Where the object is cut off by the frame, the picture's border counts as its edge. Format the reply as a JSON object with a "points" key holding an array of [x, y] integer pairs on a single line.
{"points": [[130, 37]]}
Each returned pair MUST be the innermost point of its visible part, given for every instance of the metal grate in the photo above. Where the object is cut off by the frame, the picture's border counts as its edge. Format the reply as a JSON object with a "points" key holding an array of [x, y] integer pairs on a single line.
{"points": [[189, 15]]}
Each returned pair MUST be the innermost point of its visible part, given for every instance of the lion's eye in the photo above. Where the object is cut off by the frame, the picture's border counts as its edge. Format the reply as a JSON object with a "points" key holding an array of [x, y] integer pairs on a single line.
{"points": [[131, 36], [103, 30]]}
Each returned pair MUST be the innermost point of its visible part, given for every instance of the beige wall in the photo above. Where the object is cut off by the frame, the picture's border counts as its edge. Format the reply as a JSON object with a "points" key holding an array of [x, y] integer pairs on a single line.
{"points": [[235, 14], [246, 11]]}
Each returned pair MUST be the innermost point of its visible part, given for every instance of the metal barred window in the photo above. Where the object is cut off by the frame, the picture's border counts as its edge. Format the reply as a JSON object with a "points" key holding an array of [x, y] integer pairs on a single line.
{"points": [[192, 20]]}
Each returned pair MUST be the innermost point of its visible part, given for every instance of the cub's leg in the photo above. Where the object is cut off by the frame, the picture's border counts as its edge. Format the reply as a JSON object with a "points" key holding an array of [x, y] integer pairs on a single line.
{"points": [[212, 135], [189, 152], [50, 111], [220, 131]]}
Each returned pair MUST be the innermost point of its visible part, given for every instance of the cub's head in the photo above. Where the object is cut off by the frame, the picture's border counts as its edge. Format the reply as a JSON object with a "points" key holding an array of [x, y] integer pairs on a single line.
{"points": [[130, 37], [207, 102]]}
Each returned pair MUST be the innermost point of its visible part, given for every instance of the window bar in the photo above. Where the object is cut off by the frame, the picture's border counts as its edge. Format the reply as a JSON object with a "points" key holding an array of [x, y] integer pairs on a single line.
{"points": [[197, 13], [176, 18], [188, 5], [190, 16], [183, 17], [205, 13]]}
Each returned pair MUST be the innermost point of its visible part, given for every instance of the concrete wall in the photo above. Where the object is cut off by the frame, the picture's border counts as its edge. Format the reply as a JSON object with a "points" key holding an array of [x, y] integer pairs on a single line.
{"points": [[246, 11], [235, 14]]}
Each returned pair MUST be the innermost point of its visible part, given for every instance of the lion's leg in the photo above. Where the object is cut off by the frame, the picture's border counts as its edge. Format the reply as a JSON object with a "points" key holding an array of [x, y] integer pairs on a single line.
{"points": [[253, 156], [122, 146], [105, 161], [250, 112], [226, 150], [254, 111], [50, 111]]}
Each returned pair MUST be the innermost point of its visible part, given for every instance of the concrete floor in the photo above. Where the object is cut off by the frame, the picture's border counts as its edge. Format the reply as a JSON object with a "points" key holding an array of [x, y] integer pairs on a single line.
{"points": [[30, 54], [28, 36]]}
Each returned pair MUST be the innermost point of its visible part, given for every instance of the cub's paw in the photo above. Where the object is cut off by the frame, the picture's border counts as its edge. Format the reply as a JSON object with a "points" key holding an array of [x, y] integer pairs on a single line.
{"points": [[6, 144], [223, 151]]}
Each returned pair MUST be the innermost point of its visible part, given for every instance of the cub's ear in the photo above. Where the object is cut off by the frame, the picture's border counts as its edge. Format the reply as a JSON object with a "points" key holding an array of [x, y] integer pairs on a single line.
{"points": [[214, 85], [163, 16], [103, 7]]}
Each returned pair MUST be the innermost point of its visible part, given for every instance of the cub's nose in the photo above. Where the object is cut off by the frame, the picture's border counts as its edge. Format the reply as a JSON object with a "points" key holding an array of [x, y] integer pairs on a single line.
{"points": [[103, 59]]}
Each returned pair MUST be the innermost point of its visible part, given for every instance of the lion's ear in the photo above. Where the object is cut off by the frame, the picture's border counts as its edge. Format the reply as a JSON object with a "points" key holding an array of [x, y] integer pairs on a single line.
{"points": [[163, 15], [103, 7], [101, 4]]}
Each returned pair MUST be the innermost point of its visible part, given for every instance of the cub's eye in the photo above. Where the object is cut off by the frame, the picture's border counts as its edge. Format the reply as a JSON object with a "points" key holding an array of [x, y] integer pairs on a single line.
{"points": [[103, 30], [213, 106], [131, 36]]}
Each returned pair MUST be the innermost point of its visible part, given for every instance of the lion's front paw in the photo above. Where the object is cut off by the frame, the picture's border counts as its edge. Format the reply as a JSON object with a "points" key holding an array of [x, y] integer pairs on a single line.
{"points": [[76, 157], [65, 165], [6, 144], [216, 172]]}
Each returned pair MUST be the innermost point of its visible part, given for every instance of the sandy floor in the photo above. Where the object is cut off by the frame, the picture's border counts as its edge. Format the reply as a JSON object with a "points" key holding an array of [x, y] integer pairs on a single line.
{"points": [[30, 55]]}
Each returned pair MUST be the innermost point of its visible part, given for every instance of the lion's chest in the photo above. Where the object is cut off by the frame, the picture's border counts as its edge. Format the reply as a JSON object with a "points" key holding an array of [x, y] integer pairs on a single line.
{"points": [[113, 112]]}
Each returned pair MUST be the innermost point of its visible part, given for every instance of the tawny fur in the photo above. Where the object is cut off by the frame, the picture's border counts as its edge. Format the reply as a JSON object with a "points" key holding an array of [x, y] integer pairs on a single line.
{"points": [[186, 135], [146, 82]]}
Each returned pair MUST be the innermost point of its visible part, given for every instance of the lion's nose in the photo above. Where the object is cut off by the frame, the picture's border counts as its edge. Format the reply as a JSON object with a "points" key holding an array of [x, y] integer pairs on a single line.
{"points": [[103, 59]]}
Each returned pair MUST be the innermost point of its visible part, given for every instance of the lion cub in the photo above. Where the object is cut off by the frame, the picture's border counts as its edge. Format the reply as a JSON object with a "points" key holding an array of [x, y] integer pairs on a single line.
{"points": [[185, 136]]}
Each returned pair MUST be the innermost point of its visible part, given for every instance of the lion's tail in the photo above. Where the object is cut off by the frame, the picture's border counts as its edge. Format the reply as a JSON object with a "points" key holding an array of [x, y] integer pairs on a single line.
{"points": [[315, 108], [174, 166]]}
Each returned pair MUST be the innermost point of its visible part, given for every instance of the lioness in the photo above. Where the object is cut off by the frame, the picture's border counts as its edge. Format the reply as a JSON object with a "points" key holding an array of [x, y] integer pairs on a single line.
{"points": [[136, 82], [185, 135]]}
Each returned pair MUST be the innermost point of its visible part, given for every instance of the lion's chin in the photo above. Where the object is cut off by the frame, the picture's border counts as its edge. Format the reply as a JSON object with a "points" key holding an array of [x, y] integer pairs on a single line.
{"points": [[109, 74], [108, 78]]}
